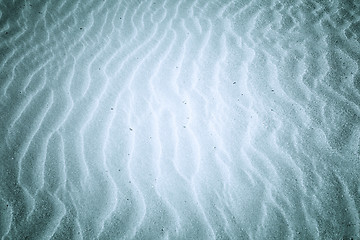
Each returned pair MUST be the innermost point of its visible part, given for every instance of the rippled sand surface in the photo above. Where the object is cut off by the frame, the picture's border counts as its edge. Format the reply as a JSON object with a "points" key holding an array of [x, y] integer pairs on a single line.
{"points": [[180, 119]]}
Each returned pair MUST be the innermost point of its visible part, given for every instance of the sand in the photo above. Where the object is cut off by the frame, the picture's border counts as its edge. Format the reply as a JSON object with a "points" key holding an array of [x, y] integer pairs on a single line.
{"points": [[180, 119]]}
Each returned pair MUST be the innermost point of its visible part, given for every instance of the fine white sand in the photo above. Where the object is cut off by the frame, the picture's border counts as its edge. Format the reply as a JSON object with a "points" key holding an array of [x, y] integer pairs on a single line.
{"points": [[180, 119]]}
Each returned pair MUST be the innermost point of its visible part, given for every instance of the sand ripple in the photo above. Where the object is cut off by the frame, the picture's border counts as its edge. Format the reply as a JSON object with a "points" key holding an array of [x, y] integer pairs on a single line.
{"points": [[180, 120]]}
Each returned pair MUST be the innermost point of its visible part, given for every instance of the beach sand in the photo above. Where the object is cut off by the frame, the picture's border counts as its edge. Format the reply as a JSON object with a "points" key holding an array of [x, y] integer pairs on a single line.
{"points": [[180, 119]]}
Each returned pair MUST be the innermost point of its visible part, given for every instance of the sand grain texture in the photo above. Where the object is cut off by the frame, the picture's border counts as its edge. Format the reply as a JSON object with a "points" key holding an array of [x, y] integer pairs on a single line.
{"points": [[179, 119]]}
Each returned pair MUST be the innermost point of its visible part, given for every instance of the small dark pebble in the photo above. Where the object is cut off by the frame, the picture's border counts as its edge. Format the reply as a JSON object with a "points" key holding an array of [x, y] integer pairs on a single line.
{"points": [[130, 129], [6, 32], [272, 90], [112, 108], [80, 28], [234, 82]]}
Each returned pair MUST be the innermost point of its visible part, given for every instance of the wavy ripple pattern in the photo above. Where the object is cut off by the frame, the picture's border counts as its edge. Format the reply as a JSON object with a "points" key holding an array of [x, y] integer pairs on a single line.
{"points": [[180, 119]]}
